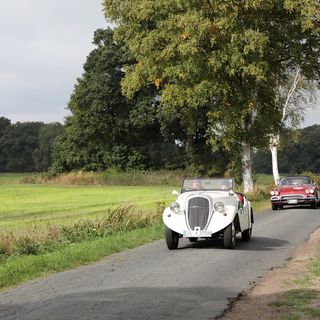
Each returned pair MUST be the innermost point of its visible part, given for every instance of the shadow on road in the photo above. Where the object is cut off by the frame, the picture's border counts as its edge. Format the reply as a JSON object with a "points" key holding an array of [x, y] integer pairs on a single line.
{"points": [[256, 244], [141, 303], [297, 207]]}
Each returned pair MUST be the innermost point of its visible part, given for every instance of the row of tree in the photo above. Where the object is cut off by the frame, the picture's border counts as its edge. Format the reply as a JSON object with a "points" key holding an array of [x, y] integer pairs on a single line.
{"points": [[27, 146]]}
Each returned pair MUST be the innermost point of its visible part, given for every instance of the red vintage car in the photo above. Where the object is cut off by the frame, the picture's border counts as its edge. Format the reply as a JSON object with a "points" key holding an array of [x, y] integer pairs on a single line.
{"points": [[296, 190]]}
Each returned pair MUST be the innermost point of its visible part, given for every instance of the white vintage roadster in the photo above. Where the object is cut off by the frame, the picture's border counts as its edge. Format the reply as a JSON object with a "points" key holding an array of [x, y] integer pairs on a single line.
{"points": [[208, 208]]}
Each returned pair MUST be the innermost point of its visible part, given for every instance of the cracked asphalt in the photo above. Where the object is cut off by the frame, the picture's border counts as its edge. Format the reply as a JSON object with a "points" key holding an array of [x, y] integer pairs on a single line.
{"points": [[194, 282]]}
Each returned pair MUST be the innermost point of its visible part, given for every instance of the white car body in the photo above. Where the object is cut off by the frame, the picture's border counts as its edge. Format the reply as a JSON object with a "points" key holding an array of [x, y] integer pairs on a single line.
{"points": [[194, 214]]}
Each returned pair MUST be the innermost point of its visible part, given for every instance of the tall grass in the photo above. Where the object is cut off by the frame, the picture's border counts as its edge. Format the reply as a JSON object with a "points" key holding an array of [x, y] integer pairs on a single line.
{"points": [[110, 177], [122, 218]]}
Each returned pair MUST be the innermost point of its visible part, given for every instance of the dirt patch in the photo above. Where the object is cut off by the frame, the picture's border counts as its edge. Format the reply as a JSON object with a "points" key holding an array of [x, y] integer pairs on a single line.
{"points": [[261, 301]]}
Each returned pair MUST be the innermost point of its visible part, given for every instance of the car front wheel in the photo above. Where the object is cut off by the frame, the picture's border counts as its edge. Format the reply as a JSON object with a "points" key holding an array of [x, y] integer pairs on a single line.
{"points": [[274, 207], [172, 239], [229, 236]]}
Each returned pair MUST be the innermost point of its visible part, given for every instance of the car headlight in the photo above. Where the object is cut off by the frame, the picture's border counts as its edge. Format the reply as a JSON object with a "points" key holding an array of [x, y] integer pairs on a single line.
{"points": [[272, 193], [175, 207], [219, 206], [307, 190], [276, 192]]}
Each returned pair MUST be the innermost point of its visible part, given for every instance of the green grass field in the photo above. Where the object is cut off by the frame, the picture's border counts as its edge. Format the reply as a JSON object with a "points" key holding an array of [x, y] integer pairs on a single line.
{"points": [[23, 205]]}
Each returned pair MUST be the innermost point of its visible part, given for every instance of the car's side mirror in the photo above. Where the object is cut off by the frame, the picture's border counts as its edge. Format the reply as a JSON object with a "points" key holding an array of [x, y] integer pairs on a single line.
{"points": [[175, 193]]}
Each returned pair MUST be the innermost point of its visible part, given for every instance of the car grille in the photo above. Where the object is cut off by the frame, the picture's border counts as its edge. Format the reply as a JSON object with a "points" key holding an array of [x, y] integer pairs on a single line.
{"points": [[293, 196], [198, 212]]}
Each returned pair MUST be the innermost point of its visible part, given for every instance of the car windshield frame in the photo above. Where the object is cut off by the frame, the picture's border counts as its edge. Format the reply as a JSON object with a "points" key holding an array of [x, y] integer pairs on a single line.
{"points": [[207, 184], [295, 181]]}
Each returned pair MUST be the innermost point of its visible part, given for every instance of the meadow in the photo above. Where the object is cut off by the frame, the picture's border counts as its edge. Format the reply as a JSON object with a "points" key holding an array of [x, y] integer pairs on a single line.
{"points": [[24, 205]]}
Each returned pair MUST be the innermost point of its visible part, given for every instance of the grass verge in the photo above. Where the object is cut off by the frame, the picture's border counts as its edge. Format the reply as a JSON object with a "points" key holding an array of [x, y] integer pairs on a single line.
{"points": [[17, 269], [302, 302]]}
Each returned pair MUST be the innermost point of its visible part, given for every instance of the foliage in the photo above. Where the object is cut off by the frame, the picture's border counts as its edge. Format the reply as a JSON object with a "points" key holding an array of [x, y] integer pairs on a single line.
{"points": [[26, 146], [221, 58], [294, 156], [46, 137], [105, 129]]}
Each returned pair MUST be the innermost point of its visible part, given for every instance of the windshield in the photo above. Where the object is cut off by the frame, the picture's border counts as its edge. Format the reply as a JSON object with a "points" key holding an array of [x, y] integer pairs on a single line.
{"points": [[295, 181], [207, 184]]}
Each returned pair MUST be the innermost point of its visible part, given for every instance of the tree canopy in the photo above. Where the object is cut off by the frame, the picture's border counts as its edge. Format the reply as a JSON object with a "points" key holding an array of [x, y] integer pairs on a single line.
{"points": [[105, 129], [224, 54], [26, 146]]}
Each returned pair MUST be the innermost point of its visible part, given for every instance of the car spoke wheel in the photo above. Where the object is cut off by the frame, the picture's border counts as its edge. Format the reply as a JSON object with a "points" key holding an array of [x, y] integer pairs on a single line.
{"points": [[172, 239], [229, 236]]}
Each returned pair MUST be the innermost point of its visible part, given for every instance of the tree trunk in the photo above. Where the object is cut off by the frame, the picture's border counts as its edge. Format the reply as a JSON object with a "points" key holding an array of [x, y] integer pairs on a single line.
{"points": [[246, 168], [274, 145], [189, 143]]}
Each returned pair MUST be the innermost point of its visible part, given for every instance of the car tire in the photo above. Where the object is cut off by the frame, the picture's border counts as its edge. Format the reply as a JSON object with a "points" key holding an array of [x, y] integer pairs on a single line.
{"points": [[274, 207], [246, 234], [229, 236], [193, 239], [314, 205], [172, 238]]}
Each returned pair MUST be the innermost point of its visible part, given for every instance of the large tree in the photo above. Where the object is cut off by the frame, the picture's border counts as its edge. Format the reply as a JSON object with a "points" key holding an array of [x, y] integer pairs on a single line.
{"points": [[105, 129], [224, 55]]}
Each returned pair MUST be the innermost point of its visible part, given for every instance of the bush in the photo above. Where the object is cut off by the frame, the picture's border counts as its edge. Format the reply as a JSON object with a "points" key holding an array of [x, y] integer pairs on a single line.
{"points": [[26, 246]]}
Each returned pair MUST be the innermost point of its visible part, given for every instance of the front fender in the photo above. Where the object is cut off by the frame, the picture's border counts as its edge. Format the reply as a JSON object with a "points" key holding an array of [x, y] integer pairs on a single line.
{"points": [[220, 221], [175, 221]]}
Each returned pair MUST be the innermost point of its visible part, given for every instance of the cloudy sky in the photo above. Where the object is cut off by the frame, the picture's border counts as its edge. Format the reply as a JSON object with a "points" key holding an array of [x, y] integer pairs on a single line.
{"points": [[44, 44]]}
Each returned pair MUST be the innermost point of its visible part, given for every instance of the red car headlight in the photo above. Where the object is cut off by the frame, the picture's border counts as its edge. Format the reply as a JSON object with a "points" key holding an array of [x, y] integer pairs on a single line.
{"points": [[311, 191], [272, 193], [276, 192], [307, 190]]}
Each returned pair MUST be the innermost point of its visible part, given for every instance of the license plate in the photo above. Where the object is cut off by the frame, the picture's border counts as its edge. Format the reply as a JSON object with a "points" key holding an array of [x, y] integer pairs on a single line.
{"points": [[197, 233], [292, 201]]}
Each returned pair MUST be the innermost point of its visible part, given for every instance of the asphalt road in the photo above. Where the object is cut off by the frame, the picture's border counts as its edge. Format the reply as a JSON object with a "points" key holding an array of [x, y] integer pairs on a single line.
{"points": [[151, 282]]}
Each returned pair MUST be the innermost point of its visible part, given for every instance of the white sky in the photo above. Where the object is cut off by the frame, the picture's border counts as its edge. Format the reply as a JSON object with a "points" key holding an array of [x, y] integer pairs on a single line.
{"points": [[43, 46]]}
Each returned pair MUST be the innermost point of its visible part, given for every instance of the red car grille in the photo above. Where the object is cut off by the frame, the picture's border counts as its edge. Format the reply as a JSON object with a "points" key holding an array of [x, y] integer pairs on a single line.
{"points": [[292, 196]]}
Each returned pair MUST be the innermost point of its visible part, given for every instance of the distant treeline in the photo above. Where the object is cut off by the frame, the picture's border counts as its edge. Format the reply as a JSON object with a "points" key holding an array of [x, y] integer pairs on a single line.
{"points": [[26, 146], [30, 147], [293, 157]]}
